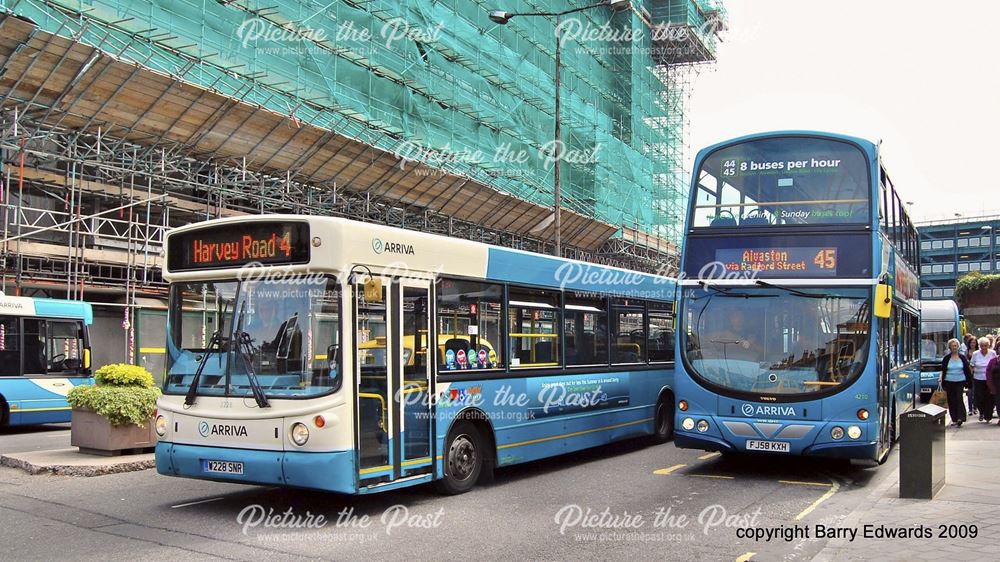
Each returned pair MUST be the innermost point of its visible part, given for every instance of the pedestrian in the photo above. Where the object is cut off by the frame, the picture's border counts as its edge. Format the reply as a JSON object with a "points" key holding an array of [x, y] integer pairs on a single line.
{"points": [[993, 383], [956, 372], [981, 393], [970, 348]]}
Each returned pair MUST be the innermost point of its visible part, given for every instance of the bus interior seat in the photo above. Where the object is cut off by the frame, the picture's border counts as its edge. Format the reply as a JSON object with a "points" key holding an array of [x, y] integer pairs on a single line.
{"points": [[543, 352], [724, 218], [756, 217]]}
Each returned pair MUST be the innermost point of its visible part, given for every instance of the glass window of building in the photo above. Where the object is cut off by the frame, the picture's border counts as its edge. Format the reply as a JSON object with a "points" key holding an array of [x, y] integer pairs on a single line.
{"points": [[949, 244]]}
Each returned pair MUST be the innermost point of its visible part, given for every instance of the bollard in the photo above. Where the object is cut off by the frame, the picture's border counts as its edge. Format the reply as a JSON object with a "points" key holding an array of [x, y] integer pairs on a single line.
{"points": [[922, 452]]}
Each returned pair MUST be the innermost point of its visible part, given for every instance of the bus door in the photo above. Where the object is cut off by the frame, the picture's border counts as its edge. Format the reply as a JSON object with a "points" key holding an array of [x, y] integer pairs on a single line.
{"points": [[392, 356], [885, 388]]}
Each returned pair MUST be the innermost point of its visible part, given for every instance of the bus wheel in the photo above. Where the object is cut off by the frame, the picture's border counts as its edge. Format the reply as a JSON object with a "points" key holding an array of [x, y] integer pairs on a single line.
{"points": [[4, 413], [463, 461], [663, 428]]}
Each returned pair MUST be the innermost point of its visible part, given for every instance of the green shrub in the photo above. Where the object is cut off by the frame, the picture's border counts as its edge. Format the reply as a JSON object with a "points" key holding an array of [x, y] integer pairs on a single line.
{"points": [[122, 374], [124, 394]]}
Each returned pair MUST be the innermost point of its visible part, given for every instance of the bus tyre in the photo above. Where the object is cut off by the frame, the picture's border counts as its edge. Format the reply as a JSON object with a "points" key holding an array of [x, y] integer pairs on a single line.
{"points": [[663, 422], [463, 459], [4, 413]]}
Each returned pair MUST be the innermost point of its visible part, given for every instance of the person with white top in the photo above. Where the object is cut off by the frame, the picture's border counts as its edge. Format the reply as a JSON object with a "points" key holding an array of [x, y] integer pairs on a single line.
{"points": [[980, 361]]}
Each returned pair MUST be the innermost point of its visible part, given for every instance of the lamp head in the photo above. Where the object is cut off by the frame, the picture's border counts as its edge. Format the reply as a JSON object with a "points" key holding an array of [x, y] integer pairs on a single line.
{"points": [[619, 5], [500, 17]]}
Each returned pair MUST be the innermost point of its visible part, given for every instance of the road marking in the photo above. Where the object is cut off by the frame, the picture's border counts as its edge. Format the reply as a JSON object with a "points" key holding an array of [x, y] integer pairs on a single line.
{"points": [[720, 477], [668, 470], [195, 503], [746, 557], [834, 486], [709, 456], [801, 483]]}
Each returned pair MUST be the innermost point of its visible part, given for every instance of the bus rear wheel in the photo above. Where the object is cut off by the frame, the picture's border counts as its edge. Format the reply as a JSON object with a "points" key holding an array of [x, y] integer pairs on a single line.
{"points": [[4, 413], [463, 459], [663, 428]]}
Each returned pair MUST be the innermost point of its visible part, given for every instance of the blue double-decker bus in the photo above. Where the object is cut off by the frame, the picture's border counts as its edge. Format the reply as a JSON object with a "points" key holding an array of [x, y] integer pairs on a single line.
{"points": [[798, 321], [44, 352]]}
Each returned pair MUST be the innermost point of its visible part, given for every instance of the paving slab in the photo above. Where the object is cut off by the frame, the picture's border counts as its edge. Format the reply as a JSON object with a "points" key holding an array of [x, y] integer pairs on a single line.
{"points": [[969, 499], [71, 462]]}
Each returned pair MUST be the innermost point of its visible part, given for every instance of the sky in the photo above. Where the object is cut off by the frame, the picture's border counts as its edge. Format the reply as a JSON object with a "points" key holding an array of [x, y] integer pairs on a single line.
{"points": [[923, 77]]}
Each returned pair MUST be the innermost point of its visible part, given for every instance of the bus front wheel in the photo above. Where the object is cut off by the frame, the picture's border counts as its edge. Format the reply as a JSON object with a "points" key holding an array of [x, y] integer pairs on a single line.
{"points": [[663, 428], [463, 461]]}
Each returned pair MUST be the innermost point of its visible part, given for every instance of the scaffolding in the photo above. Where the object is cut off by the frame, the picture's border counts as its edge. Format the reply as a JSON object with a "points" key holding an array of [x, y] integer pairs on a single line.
{"points": [[124, 118]]}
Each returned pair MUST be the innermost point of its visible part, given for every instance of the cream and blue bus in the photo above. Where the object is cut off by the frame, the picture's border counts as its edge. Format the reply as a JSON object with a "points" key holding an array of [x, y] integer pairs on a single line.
{"points": [[44, 352], [798, 318], [330, 354], [940, 321]]}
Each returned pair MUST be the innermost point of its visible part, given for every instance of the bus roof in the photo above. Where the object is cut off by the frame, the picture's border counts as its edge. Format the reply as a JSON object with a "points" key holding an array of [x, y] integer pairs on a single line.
{"points": [[339, 244], [938, 310], [46, 308], [867, 145]]}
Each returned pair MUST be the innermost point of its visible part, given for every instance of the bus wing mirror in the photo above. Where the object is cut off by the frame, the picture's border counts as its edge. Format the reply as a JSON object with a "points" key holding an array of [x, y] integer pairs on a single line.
{"points": [[883, 300]]}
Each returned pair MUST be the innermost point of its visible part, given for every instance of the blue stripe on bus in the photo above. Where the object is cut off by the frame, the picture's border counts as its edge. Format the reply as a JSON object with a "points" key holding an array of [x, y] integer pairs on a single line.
{"points": [[534, 269], [52, 308]]}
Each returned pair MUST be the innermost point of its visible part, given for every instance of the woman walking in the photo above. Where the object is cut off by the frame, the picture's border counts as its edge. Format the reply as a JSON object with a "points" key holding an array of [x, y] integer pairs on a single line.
{"points": [[969, 347], [981, 393], [956, 372], [993, 384]]}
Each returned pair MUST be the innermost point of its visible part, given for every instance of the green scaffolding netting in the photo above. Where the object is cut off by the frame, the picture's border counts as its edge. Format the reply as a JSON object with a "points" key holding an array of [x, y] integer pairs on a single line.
{"points": [[439, 81]]}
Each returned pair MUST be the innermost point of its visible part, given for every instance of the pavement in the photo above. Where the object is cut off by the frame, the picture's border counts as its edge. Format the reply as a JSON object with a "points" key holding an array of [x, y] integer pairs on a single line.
{"points": [[962, 522], [71, 462]]}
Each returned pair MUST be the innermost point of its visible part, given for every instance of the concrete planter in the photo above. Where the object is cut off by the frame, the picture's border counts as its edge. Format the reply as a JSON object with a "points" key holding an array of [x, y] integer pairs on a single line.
{"points": [[94, 435]]}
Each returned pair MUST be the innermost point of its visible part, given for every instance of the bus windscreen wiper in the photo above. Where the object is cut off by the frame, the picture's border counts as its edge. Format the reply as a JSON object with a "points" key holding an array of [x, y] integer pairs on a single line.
{"points": [[795, 292], [245, 345], [215, 342]]}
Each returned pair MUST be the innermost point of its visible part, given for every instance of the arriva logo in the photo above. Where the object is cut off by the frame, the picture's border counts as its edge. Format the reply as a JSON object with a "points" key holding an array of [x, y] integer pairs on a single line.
{"points": [[378, 246], [227, 430], [751, 410]]}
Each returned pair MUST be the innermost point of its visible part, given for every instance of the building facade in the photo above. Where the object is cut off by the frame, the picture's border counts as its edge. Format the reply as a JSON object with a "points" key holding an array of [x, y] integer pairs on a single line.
{"points": [[950, 249]]}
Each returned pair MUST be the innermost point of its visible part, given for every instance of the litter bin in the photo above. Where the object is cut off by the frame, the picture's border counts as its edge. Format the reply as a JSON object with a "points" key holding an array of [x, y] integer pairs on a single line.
{"points": [[921, 452]]}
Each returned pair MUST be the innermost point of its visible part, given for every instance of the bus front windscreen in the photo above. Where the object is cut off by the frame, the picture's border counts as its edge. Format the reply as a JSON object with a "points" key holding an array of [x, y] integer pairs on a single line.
{"points": [[773, 341], [783, 180], [934, 338]]}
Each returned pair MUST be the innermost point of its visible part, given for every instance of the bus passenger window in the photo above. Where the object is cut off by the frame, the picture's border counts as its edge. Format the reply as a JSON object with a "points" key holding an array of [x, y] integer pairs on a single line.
{"points": [[628, 332], [586, 330], [10, 348], [534, 327], [34, 347], [661, 332], [469, 327]]}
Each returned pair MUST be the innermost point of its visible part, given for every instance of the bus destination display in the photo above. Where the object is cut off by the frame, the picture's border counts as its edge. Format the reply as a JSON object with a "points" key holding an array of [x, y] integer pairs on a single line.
{"points": [[239, 244], [814, 261]]}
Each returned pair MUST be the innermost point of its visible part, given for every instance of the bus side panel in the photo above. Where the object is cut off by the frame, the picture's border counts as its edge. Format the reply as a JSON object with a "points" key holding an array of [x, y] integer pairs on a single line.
{"points": [[39, 400], [541, 417]]}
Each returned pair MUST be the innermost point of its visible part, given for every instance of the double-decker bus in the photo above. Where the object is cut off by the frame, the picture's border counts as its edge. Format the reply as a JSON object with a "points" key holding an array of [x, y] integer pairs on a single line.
{"points": [[798, 319], [939, 323], [324, 353], [44, 352]]}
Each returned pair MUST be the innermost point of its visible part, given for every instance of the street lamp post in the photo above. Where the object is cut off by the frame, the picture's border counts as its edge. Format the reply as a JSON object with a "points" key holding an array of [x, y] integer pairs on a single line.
{"points": [[501, 17]]}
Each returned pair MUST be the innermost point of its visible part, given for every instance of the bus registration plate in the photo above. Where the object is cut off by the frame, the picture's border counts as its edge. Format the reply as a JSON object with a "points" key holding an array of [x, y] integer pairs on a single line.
{"points": [[224, 467], [769, 446]]}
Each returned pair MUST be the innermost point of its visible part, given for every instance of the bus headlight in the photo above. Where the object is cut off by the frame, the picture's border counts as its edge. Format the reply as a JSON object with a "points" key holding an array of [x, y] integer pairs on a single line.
{"points": [[702, 426], [300, 433], [854, 432], [161, 425], [837, 433], [687, 424]]}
